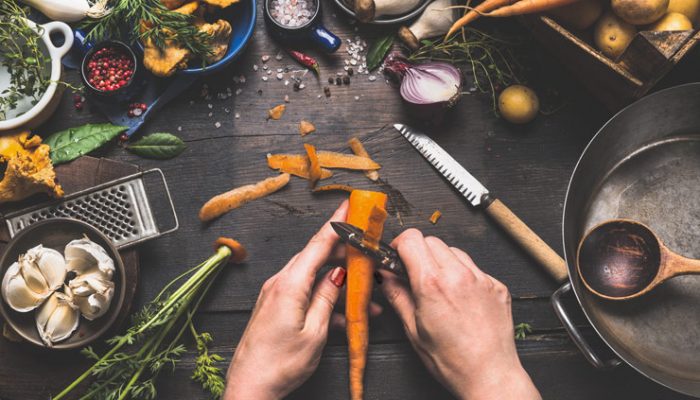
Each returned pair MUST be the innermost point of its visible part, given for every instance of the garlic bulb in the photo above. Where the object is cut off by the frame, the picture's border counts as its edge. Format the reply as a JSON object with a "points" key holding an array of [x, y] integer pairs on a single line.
{"points": [[32, 278], [92, 293], [436, 20], [57, 318], [70, 10], [84, 255]]}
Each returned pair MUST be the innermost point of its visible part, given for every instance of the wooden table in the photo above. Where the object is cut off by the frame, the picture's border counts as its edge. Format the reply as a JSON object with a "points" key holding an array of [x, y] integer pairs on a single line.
{"points": [[528, 166]]}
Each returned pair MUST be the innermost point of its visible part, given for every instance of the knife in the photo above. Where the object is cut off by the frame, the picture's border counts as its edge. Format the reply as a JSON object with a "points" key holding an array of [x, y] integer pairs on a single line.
{"points": [[386, 257], [478, 196]]}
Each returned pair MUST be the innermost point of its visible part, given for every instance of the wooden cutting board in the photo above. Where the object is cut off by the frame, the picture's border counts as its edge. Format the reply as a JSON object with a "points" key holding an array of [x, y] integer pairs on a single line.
{"points": [[77, 175]]}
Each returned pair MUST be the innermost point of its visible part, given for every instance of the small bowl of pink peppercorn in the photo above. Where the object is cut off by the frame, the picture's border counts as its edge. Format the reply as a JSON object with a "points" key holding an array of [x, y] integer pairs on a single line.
{"points": [[110, 69]]}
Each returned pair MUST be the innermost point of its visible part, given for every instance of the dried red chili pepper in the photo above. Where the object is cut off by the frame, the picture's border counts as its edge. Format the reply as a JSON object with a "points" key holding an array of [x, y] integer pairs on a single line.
{"points": [[304, 60]]}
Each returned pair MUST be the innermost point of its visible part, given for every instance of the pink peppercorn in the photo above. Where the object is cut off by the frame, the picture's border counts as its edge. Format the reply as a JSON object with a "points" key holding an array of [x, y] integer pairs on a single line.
{"points": [[109, 68]]}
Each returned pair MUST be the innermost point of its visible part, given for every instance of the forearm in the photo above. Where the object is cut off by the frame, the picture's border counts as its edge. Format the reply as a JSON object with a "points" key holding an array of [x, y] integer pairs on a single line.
{"points": [[246, 388]]}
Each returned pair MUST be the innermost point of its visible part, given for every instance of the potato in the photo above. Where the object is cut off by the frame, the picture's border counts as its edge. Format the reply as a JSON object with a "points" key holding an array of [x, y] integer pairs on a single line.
{"points": [[580, 15], [689, 8], [672, 22], [518, 104], [639, 12], [612, 35]]}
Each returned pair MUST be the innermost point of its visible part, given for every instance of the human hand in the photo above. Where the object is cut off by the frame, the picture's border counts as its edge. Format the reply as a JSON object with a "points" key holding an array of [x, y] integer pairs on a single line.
{"points": [[282, 344], [458, 320]]}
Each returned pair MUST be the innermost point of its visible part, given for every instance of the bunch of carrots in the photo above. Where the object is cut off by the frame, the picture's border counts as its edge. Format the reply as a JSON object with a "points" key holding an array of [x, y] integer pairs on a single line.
{"points": [[506, 8]]}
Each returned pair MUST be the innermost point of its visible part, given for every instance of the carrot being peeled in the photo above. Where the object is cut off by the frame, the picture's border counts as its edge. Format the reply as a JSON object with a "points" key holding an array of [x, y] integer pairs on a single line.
{"points": [[523, 7], [367, 212], [476, 12]]}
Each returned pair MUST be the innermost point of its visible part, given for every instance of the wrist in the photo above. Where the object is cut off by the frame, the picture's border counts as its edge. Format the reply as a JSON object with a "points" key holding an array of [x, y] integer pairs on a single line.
{"points": [[505, 384], [237, 390]]}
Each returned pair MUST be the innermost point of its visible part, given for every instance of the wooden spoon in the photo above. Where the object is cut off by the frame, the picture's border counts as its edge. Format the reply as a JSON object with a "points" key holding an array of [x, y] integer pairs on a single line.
{"points": [[622, 259]]}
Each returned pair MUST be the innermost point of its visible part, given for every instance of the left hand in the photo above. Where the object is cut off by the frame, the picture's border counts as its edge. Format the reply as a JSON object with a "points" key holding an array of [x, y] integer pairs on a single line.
{"points": [[282, 345]]}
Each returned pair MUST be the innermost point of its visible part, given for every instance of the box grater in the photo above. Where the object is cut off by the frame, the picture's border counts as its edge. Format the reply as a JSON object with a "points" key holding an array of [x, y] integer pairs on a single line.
{"points": [[119, 208]]}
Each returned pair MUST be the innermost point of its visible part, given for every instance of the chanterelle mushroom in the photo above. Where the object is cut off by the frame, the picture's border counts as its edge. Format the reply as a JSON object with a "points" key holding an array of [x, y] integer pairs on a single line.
{"points": [[29, 169], [173, 4], [221, 3], [220, 31]]}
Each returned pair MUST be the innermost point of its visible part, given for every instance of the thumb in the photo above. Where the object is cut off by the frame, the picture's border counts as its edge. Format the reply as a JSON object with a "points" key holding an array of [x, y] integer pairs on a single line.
{"points": [[323, 299]]}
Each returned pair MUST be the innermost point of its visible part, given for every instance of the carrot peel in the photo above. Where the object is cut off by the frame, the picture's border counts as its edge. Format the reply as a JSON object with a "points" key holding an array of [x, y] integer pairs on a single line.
{"points": [[295, 164], [334, 186], [314, 165], [359, 150]]}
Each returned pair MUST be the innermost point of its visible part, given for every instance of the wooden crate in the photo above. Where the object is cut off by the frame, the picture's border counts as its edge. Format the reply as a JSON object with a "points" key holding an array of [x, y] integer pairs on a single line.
{"points": [[647, 59]]}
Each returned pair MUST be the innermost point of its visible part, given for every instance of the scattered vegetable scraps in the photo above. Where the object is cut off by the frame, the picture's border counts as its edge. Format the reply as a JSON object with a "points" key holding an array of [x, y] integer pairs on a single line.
{"points": [[334, 187], [75, 142], [225, 202], [276, 112], [314, 166], [435, 217], [160, 146], [306, 127], [327, 159], [297, 166], [359, 150]]}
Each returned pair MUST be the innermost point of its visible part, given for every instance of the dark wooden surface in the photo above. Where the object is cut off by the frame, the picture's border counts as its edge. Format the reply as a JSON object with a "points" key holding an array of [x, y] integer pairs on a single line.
{"points": [[527, 166]]}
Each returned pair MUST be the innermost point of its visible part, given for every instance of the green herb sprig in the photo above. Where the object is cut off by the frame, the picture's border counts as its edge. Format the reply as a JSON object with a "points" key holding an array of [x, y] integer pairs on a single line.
{"points": [[22, 57], [129, 369], [522, 330], [149, 20]]}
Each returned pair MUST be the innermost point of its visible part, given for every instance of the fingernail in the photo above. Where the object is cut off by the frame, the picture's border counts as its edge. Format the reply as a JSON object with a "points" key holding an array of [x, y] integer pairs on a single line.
{"points": [[338, 276], [378, 278]]}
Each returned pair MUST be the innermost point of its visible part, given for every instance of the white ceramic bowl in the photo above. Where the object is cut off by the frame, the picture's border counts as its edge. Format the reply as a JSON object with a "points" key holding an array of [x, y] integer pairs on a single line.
{"points": [[47, 104]]}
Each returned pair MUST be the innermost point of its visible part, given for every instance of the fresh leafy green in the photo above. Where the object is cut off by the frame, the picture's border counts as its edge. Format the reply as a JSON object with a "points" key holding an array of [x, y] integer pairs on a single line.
{"points": [[522, 330], [377, 51], [75, 142], [158, 145]]}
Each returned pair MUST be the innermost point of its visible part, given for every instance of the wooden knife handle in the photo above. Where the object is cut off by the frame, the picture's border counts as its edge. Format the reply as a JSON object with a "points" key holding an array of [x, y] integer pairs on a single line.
{"points": [[528, 240]]}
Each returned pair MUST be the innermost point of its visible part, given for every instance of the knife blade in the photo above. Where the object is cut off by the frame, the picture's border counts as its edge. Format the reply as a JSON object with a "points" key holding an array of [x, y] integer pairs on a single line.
{"points": [[478, 196], [386, 257]]}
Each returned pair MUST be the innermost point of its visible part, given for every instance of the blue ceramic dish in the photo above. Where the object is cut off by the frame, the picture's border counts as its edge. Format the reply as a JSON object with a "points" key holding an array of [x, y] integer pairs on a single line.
{"points": [[242, 17]]}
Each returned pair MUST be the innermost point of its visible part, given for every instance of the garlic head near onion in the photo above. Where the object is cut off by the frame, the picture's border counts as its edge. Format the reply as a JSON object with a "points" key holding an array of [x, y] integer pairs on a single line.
{"points": [[57, 318], [84, 256], [30, 280], [369, 10], [70, 10], [435, 20]]}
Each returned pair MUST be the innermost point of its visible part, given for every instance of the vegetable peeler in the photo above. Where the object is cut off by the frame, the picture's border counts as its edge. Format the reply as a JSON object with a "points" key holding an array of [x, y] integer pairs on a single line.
{"points": [[386, 257]]}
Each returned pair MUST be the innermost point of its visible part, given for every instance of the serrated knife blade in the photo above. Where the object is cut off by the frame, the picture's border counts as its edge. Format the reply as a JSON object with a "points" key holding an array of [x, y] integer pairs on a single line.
{"points": [[478, 195], [465, 183]]}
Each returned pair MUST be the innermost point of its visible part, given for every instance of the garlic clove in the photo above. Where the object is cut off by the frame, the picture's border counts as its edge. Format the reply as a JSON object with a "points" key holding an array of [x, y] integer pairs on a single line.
{"points": [[95, 305], [50, 263], [31, 274], [92, 293], [57, 318], [83, 254], [17, 293]]}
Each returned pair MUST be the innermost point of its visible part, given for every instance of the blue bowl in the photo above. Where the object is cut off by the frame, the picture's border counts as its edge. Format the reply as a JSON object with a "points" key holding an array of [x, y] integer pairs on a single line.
{"points": [[242, 17]]}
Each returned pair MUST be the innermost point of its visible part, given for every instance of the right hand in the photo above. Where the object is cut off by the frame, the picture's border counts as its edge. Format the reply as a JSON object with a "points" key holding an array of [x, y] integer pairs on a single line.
{"points": [[458, 320]]}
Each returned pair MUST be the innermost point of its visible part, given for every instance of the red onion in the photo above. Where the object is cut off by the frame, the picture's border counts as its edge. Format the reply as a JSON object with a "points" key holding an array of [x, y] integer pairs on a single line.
{"points": [[430, 87]]}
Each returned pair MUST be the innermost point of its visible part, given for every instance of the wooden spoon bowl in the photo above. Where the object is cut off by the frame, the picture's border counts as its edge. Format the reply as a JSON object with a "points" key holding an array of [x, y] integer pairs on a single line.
{"points": [[623, 259]]}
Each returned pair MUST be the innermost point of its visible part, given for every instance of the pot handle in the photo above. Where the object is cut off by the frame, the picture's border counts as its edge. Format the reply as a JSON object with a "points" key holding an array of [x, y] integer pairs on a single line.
{"points": [[325, 39], [65, 31], [574, 333]]}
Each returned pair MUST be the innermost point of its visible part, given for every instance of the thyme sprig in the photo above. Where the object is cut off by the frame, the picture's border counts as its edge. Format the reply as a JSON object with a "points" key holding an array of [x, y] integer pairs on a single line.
{"points": [[522, 330], [130, 368], [149, 20], [22, 57]]}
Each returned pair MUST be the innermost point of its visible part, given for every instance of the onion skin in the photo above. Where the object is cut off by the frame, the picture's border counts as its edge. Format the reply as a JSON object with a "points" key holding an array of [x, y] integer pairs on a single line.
{"points": [[432, 110]]}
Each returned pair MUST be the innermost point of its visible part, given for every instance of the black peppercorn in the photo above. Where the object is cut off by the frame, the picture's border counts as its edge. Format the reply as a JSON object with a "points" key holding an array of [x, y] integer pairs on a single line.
{"points": [[296, 86], [327, 91], [346, 80], [351, 71]]}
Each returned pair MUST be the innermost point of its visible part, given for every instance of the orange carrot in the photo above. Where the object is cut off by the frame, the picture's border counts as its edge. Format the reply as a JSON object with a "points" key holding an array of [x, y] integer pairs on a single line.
{"points": [[225, 202], [314, 166], [365, 212], [435, 217], [359, 150], [476, 12], [238, 252], [523, 7]]}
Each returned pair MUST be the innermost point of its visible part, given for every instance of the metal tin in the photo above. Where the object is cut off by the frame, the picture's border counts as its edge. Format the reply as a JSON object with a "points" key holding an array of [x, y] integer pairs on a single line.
{"points": [[312, 31]]}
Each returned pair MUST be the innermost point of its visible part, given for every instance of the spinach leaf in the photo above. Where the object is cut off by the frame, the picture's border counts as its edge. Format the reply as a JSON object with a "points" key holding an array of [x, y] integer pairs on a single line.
{"points": [[377, 51], [77, 141], [158, 145]]}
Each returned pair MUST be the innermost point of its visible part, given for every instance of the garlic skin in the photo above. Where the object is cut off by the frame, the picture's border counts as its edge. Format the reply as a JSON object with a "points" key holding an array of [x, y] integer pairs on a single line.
{"points": [[57, 318], [69, 10], [436, 20], [31, 279], [84, 255], [92, 293]]}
